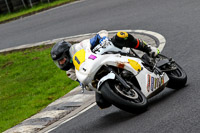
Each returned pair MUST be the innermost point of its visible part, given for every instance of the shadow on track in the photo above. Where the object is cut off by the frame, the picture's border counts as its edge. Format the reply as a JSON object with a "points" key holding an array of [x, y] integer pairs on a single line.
{"points": [[164, 95]]}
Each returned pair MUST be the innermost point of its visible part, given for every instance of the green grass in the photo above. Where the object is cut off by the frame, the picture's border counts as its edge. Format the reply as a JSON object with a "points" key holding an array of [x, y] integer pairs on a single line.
{"points": [[29, 11], [29, 81]]}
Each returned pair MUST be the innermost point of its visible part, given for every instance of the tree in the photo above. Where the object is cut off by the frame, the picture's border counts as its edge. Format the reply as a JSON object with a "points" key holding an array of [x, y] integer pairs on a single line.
{"points": [[23, 3], [7, 6], [31, 4]]}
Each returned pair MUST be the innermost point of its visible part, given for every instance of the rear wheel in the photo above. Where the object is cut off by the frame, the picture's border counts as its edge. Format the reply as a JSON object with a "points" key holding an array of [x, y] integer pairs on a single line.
{"points": [[130, 100], [177, 76]]}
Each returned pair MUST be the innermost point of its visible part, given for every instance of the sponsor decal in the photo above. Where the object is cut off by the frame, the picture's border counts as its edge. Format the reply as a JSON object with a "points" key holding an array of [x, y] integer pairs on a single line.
{"points": [[152, 83], [158, 83], [93, 57], [148, 82], [162, 80], [155, 83]]}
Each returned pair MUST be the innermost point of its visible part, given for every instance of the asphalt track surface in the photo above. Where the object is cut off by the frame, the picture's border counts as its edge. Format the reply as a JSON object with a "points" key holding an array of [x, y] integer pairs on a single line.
{"points": [[178, 21]]}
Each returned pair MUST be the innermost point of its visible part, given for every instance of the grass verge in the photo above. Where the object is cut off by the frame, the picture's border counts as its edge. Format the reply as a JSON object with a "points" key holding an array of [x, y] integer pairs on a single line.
{"points": [[29, 11], [29, 81]]}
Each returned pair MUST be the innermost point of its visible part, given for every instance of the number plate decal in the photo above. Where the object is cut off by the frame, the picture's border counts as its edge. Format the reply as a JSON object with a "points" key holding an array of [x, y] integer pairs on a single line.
{"points": [[79, 58], [135, 65]]}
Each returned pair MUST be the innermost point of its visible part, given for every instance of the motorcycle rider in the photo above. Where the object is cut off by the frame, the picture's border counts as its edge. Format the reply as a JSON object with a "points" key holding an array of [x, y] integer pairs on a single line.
{"points": [[62, 53]]}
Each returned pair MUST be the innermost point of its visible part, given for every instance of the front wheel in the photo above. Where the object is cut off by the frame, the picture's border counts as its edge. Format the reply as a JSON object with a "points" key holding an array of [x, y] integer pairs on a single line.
{"points": [[132, 100]]}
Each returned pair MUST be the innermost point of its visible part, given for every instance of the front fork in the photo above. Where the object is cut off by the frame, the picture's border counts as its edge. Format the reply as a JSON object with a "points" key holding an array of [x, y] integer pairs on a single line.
{"points": [[121, 80]]}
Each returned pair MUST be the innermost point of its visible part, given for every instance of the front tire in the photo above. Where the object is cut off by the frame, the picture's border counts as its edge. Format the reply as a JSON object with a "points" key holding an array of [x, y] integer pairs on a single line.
{"points": [[101, 102], [133, 103]]}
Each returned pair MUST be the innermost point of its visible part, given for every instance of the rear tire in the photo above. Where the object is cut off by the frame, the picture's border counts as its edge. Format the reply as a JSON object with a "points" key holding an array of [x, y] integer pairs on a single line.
{"points": [[177, 78], [113, 95]]}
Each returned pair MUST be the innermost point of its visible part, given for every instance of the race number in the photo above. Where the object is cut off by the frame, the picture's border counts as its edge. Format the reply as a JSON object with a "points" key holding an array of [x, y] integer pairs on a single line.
{"points": [[79, 58], [135, 65]]}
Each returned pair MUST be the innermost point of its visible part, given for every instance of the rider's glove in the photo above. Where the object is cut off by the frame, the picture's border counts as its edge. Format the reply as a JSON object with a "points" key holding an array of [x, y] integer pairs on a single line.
{"points": [[153, 52], [150, 50], [104, 41], [71, 74]]}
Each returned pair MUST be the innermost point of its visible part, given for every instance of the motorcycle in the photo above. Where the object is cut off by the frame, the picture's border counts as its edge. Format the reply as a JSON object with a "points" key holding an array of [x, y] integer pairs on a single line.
{"points": [[124, 79]]}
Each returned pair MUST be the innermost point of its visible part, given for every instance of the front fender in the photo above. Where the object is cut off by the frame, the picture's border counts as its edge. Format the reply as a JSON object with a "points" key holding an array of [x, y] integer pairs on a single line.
{"points": [[110, 75]]}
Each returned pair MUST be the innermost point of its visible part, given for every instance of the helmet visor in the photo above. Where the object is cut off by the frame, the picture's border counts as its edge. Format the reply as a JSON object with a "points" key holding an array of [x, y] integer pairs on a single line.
{"points": [[62, 62]]}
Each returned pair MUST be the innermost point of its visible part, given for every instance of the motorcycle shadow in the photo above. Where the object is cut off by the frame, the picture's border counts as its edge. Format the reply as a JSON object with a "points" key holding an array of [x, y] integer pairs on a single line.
{"points": [[116, 116], [162, 96]]}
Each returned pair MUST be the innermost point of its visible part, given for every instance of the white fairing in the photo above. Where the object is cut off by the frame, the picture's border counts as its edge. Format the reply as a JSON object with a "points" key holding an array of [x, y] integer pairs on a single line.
{"points": [[78, 46], [148, 81], [89, 68]]}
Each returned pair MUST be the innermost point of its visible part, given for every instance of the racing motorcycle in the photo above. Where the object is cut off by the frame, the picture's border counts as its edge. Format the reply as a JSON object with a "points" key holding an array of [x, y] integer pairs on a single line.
{"points": [[125, 79]]}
